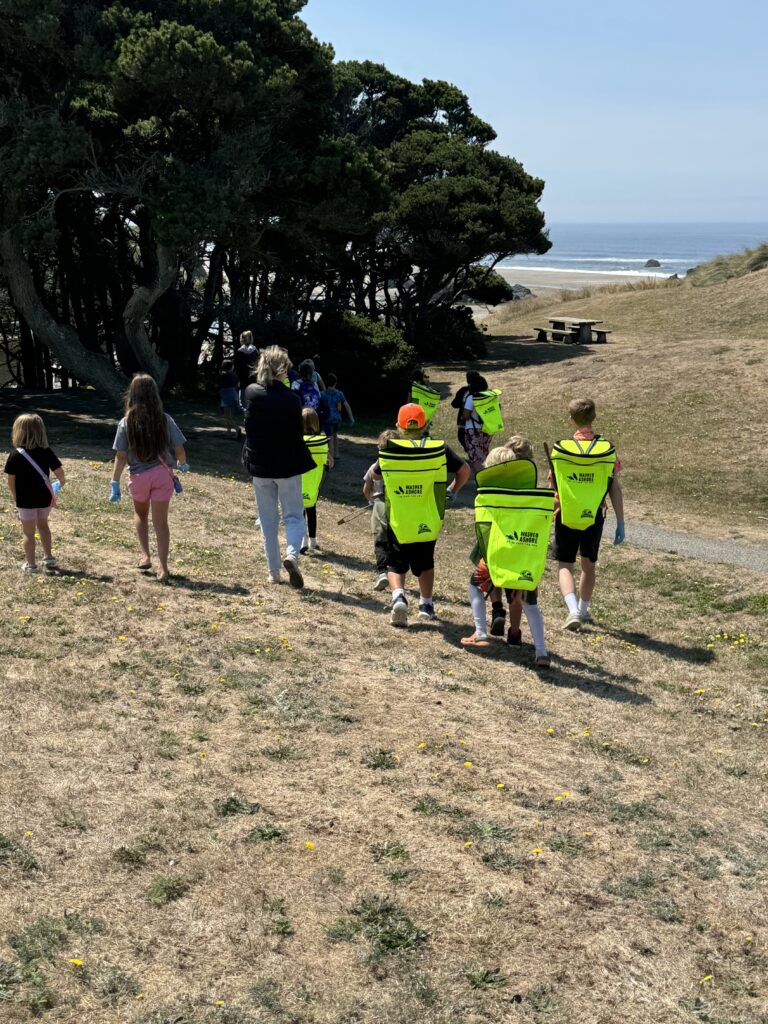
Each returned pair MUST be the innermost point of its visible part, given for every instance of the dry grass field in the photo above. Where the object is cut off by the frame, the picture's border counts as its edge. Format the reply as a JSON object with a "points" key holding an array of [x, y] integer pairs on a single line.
{"points": [[223, 802]]}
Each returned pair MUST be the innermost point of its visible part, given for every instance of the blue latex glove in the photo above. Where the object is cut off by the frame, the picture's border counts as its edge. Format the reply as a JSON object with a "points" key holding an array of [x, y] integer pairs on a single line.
{"points": [[115, 495], [56, 486], [618, 537], [183, 467]]}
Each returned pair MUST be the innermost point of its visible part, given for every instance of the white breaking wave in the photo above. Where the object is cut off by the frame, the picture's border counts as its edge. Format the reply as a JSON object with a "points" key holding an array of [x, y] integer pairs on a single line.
{"points": [[651, 272], [616, 259]]}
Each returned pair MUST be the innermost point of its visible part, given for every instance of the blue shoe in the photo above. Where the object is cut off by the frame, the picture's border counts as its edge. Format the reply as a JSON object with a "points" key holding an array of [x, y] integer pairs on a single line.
{"points": [[427, 612]]}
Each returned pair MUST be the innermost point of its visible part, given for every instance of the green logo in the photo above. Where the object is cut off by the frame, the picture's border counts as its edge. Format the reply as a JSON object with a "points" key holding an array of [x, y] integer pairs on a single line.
{"points": [[525, 575], [423, 528]]}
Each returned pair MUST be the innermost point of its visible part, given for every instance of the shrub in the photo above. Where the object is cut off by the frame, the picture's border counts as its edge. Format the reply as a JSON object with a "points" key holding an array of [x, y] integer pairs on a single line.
{"points": [[450, 332], [373, 363]]}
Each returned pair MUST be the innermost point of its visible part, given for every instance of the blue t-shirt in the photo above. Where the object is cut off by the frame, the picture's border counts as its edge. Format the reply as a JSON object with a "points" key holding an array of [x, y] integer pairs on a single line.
{"points": [[336, 401], [308, 393]]}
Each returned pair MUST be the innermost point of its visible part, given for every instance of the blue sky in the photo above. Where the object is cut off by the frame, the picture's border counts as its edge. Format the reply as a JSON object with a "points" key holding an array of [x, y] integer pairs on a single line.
{"points": [[649, 111]]}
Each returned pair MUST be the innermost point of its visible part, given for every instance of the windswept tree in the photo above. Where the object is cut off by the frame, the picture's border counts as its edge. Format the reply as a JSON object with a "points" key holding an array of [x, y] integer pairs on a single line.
{"points": [[133, 141]]}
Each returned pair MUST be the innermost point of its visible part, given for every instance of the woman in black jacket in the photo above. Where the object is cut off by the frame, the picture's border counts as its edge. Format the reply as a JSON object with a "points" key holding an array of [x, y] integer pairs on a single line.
{"points": [[276, 456]]}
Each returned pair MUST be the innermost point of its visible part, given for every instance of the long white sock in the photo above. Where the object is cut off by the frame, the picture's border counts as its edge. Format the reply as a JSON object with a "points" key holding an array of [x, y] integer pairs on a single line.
{"points": [[536, 625], [477, 600], [572, 603], [398, 595], [583, 606]]}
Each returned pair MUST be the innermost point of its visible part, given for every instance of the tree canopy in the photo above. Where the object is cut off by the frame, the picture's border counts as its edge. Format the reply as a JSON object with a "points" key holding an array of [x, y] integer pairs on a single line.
{"points": [[172, 173]]}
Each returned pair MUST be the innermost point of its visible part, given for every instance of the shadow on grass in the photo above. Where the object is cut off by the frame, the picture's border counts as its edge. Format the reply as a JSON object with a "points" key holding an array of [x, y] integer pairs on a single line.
{"points": [[77, 574], [202, 586], [693, 655]]}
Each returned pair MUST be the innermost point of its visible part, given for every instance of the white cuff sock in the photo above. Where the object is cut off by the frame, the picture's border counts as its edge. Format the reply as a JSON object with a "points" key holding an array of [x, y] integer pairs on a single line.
{"points": [[571, 603], [398, 595], [477, 600], [583, 606], [536, 625]]}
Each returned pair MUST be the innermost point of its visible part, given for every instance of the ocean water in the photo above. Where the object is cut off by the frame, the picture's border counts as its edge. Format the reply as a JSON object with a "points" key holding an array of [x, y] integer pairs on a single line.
{"points": [[624, 248]]}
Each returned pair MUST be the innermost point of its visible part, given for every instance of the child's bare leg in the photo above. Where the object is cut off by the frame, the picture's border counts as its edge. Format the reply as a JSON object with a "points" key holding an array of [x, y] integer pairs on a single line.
{"points": [[141, 523], [427, 584], [162, 533], [587, 581], [515, 614], [45, 536], [29, 540]]}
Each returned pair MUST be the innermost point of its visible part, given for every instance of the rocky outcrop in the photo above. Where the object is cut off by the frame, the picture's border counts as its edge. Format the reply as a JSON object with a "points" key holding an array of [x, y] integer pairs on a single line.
{"points": [[652, 263]]}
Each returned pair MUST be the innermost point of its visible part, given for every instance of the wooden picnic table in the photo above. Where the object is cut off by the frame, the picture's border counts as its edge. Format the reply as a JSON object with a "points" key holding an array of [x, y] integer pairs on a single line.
{"points": [[580, 326]]}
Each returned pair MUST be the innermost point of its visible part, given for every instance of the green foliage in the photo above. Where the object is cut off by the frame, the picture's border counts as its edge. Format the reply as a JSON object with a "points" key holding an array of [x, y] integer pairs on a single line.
{"points": [[387, 927], [165, 889], [373, 363], [487, 287], [723, 268]]}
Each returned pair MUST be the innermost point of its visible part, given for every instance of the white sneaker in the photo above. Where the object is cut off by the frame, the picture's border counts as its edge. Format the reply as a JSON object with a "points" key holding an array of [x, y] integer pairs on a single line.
{"points": [[381, 583], [399, 615], [291, 566], [313, 545], [573, 622], [586, 618], [29, 568], [275, 577]]}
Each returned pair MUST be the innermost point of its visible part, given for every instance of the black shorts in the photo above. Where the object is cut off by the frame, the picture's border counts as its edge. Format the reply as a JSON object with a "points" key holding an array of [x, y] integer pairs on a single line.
{"points": [[419, 556], [569, 542]]}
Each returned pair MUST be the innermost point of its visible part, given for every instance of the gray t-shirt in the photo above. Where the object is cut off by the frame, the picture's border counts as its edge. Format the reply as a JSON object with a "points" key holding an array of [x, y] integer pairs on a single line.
{"points": [[120, 444]]}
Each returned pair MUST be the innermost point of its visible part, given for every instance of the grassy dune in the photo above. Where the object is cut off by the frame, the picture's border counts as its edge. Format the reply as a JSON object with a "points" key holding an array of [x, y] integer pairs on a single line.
{"points": [[228, 803]]}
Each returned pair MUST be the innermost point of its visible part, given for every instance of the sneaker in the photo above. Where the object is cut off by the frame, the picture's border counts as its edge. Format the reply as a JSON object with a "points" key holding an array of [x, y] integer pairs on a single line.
{"points": [[427, 612], [291, 566], [586, 619], [573, 622], [50, 562], [498, 622], [382, 582], [514, 637], [29, 568], [542, 661], [399, 614], [313, 545], [275, 577]]}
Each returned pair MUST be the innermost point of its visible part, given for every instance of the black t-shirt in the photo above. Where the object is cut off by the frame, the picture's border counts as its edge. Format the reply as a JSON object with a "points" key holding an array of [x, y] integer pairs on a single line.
{"points": [[31, 491], [452, 460], [458, 403]]}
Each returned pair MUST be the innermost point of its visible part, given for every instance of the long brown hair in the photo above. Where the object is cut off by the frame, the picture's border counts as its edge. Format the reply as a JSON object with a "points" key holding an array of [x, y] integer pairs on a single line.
{"points": [[145, 419]]}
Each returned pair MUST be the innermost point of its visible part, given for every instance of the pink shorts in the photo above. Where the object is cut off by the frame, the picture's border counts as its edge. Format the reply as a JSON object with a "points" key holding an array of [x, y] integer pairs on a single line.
{"points": [[34, 515], [154, 484]]}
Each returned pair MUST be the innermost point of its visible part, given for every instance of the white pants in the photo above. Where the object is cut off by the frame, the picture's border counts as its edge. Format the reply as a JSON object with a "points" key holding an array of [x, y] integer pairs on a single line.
{"points": [[286, 491]]}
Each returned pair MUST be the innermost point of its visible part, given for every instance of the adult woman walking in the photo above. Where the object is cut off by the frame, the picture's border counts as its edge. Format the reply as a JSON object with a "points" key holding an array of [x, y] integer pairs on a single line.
{"points": [[276, 456]]}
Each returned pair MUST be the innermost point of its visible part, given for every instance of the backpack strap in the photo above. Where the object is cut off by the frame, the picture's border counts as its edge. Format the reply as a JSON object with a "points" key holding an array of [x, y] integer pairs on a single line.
{"points": [[45, 477]]}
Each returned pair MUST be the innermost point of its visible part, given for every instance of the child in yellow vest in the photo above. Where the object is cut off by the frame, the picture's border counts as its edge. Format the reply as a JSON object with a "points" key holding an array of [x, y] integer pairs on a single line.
{"points": [[569, 541], [312, 481], [519, 601], [373, 491]]}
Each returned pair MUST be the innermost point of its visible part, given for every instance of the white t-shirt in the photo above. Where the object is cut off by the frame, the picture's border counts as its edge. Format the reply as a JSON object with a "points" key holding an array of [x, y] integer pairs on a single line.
{"points": [[474, 422], [378, 484]]}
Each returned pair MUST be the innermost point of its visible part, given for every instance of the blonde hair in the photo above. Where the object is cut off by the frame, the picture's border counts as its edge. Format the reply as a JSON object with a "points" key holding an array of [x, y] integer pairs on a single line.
{"points": [[274, 364], [246, 338], [384, 438], [521, 446], [410, 433], [28, 431], [496, 456], [582, 411], [310, 420]]}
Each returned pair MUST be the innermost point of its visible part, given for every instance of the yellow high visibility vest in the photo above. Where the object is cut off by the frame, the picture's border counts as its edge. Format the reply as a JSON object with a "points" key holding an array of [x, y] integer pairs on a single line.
{"points": [[488, 408], [513, 525], [311, 481], [415, 475], [583, 471], [427, 398]]}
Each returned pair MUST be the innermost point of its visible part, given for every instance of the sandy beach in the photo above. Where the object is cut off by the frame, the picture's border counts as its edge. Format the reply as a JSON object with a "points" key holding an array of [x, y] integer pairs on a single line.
{"points": [[546, 280]]}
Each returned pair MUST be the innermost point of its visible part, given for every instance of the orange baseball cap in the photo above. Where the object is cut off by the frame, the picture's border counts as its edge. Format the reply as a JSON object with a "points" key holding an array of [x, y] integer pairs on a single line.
{"points": [[411, 415]]}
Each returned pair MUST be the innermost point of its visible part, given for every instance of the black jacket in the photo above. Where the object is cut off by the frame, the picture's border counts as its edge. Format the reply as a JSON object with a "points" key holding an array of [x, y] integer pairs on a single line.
{"points": [[274, 445]]}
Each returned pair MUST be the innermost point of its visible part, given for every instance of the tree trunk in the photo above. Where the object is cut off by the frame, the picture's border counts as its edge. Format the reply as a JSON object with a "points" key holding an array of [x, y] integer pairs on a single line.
{"points": [[138, 306], [88, 367]]}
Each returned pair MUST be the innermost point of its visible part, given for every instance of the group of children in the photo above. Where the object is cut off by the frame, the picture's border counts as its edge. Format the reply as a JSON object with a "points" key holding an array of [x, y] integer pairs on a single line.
{"points": [[407, 489]]}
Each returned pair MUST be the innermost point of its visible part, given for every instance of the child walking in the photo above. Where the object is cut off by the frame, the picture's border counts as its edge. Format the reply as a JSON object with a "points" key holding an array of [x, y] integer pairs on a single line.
{"points": [[584, 473], [229, 398], [518, 515], [27, 468], [149, 442], [373, 491], [337, 402], [312, 481]]}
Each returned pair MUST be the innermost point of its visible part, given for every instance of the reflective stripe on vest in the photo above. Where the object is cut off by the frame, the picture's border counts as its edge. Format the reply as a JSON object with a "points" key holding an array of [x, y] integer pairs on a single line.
{"points": [[488, 408], [512, 528], [427, 398], [415, 475], [582, 478], [311, 481]]}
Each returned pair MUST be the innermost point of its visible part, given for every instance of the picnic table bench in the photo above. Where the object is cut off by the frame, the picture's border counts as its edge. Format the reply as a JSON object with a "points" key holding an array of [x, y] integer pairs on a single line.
{"points": [[573, 330]]}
